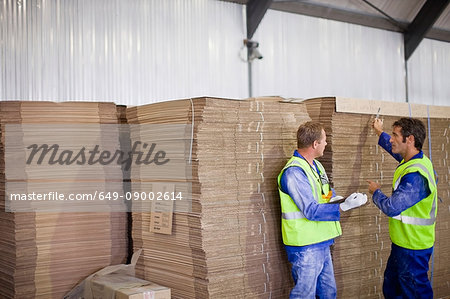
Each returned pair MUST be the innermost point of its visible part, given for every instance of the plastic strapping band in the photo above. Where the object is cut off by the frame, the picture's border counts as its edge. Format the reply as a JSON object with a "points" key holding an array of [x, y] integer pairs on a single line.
{"points": [[192, 132], [263, 198]]}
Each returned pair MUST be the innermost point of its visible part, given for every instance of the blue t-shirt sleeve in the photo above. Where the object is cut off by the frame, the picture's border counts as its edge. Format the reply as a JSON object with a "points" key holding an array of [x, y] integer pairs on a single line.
{"points": [[295, 183], [413, 188], [383, 141]]}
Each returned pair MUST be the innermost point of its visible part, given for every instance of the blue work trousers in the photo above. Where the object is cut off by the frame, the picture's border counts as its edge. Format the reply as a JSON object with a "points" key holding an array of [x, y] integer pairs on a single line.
{"points": [[313, 273], [406, 274]]}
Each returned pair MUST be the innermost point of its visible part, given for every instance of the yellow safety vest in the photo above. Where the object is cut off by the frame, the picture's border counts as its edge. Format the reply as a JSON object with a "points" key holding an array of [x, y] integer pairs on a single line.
{"points": [[414, 228], [296, 229]]}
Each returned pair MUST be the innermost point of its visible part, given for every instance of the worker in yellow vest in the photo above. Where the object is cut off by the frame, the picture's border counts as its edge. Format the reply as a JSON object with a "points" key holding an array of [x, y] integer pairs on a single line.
{"points": [[308, 223], [412, 210]]}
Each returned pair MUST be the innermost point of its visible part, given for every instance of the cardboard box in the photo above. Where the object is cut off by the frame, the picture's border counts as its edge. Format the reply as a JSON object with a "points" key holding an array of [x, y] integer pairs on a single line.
{"points": [[118, 282], [120, 286]]}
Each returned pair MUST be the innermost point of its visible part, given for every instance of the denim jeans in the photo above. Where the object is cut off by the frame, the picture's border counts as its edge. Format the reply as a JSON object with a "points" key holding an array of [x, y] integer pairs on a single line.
{"points": [[312, 270], [406, 274]]}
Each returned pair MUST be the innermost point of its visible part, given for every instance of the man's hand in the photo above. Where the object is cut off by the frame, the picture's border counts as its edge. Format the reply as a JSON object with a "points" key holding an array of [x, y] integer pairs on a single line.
{"points": [[373, 186], [377, 125], [353, 201]]}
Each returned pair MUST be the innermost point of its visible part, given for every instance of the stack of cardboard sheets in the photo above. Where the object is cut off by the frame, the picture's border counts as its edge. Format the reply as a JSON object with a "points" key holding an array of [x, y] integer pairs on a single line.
{"points": [[228, 244], [45, 254], [352, 157]]}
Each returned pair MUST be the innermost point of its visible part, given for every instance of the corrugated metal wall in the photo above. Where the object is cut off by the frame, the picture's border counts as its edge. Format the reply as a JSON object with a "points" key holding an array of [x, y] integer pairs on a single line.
{"points": [[140, 51], [313, 57], [130, 52], [429, 74]]}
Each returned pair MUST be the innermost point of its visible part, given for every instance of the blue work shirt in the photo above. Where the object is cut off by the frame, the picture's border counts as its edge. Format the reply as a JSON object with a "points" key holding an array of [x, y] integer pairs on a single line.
{"points": [[294, 182], [413, 187]]}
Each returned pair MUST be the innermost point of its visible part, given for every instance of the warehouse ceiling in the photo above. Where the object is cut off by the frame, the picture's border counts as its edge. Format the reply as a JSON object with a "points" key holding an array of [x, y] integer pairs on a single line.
{"points": [[394, 15]]}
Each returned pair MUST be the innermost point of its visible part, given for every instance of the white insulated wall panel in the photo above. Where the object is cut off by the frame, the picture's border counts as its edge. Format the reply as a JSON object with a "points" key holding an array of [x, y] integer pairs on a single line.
{"points": [[312, 57], [429, 73], [131, 52], [140, 51]]}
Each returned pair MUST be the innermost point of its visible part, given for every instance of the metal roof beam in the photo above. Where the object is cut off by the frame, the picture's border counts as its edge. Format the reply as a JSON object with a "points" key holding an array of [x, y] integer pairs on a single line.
{"points": [[422, 23], [321, 11], [256, 10], [391, 19]]}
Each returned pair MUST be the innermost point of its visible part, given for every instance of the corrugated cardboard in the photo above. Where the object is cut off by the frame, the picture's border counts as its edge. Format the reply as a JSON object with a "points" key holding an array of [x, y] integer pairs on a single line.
{"points": [[150, 291], [229, 245], [43, 255], [118, 281], [120, 286]]}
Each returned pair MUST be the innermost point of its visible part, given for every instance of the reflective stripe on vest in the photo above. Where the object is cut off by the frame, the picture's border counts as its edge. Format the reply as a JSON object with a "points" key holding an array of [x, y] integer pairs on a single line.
{"points": [[292, 215], [415, 220], [418, 165], [299, 214], [314, 186]]}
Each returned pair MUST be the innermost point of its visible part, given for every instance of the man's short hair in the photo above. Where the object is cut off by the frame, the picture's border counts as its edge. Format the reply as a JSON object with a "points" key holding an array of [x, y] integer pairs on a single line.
{"points": [[307, 133], [412, 126]]}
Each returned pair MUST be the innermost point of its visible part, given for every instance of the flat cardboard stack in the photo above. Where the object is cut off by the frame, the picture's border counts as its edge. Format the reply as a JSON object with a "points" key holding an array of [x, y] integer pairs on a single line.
{"points": [[45, 254], [229, 244], [352, 157], [440, 149]]}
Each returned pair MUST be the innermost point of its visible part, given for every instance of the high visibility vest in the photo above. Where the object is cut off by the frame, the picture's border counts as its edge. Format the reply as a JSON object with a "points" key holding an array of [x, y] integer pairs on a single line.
{"points": [[295, 228], [414, 227]]}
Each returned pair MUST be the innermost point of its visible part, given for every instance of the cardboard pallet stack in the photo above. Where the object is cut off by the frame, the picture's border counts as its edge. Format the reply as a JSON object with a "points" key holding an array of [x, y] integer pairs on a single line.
{"points": [[229, 243], [352, 157], [45, 254]]}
